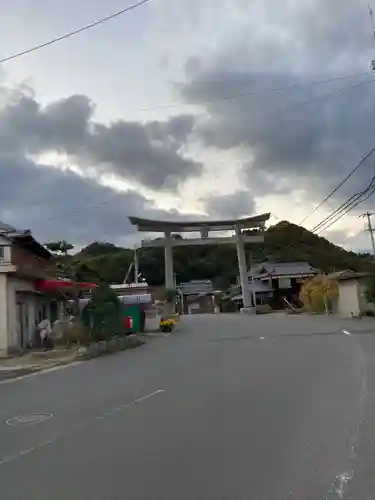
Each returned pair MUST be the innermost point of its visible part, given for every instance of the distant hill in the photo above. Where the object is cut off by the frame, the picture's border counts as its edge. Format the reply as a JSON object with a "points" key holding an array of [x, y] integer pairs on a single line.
{"points": [[284, 242]]}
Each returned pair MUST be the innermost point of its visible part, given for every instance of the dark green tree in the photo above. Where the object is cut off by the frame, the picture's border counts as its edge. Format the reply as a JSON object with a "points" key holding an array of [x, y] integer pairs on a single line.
{"points": [[103, 313]]}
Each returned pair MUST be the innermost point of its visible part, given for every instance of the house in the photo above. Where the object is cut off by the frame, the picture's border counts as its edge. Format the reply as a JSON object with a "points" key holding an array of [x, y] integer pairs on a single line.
{"points": [[27, 294], [197, 297], [271, 282], [260, 293], [351, 300]]}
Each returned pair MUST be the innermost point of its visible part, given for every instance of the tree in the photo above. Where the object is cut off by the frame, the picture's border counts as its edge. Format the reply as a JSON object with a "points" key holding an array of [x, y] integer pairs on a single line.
{"points": [[103, 313], [370, 289], [67, 266], [61, 247], [318, 293]]}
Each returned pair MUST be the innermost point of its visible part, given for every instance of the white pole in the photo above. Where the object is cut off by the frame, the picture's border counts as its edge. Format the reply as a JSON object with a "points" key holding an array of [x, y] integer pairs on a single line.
{"points": [[136, 266], [168, 255]]}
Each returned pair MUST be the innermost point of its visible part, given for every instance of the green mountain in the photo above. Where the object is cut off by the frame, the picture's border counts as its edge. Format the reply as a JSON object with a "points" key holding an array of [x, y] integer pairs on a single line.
{"points": [[284, 242]]}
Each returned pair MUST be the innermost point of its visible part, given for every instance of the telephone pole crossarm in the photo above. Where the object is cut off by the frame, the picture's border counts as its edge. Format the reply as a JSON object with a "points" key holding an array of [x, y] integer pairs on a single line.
{"points": [[367, 215]]}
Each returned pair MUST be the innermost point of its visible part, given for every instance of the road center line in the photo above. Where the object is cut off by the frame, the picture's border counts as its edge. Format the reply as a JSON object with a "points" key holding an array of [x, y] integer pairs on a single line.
{"points": [[16, 456]]}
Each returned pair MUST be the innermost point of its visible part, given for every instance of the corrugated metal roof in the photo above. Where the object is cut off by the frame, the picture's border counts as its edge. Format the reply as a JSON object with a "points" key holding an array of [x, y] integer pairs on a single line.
{"points": [[347, 274]]}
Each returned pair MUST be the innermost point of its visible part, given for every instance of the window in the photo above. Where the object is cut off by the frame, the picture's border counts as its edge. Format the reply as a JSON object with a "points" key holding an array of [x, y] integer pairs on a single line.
{"points": [[5, 253]]}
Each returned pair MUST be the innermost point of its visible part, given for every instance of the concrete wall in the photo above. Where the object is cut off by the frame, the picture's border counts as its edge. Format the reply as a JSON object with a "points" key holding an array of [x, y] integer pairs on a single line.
{"points": [[348, 303], [21, 303], [352, 299], [3, 314], [13, 324]]}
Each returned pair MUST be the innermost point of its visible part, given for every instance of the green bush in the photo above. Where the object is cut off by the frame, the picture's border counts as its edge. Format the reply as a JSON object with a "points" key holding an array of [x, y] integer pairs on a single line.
{"points": [[103, 314]]}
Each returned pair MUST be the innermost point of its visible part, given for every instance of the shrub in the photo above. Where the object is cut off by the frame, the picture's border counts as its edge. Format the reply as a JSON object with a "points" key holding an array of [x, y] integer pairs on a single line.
{"points": [[263, 309], [77, 334], [102, 315]]}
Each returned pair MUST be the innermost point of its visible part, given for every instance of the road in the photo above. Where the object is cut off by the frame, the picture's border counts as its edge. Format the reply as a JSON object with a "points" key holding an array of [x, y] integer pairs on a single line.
{"points": [[232, 407]]}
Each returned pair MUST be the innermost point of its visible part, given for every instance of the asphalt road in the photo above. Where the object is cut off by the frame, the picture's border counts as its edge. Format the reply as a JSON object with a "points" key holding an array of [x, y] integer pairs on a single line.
{"points": [[232, 407]]}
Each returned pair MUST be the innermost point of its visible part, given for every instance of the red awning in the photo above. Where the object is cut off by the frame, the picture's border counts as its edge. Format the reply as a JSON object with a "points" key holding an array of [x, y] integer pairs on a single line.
{"points": [[61, 285]]}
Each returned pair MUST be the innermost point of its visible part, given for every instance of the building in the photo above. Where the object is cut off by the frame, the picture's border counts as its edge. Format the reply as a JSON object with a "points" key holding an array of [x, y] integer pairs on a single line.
{"points": [[23, 262], [273, 282], [351, 300], [197, 297], [260, 293], [28, 295]]}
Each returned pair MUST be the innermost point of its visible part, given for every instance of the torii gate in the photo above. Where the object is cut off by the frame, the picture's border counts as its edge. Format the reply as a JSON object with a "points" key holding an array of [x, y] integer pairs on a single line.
{"points": [[204, 228]]}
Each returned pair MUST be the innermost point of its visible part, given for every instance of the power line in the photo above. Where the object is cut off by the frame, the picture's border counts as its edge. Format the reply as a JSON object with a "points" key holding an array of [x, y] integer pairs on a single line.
{"points": [[348, 210], [73, 33], [346, 207], [258, 92], [338, 186]]}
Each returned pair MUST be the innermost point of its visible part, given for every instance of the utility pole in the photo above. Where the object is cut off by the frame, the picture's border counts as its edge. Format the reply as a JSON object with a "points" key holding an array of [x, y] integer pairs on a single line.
{"points": [[368, 215], [371, 12]]}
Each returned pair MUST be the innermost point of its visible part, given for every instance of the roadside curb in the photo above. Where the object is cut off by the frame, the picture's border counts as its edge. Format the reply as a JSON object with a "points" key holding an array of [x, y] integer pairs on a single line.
{"points": [[95, 350], [98, 349]]}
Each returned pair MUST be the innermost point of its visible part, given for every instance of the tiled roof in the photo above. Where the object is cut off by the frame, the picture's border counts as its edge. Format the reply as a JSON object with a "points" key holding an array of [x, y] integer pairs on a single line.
{"points": [[24, 238], [283, 269], [6, 228]]}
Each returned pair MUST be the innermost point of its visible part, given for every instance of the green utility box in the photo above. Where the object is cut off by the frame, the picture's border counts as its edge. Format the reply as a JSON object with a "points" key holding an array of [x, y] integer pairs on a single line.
{"points": [[133, 311]]}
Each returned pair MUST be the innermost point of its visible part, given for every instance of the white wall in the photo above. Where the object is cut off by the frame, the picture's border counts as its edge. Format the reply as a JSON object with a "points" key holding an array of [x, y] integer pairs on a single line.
{"points": [[13, 326], [349, 298], [3, 314]]}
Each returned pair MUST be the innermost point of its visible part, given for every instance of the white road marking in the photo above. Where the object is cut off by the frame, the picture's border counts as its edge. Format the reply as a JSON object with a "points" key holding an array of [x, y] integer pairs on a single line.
{"points": [[11, 458], [30, 419], [117, 409], [346, 332], [148, 396]]}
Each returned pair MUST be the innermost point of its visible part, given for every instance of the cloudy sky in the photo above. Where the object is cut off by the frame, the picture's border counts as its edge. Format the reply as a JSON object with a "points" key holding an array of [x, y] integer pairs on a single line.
{"points": [[175, 109]]}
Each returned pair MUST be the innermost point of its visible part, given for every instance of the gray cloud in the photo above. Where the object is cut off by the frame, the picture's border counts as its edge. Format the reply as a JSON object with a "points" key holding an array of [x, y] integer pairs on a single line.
{"points": [[230, 206], [306, 135], [58, 204], [149, 153]]}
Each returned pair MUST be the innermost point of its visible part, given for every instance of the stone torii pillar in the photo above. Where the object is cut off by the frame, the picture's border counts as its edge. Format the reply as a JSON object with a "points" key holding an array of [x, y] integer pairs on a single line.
{"points": [[168, 256], [242, 266]]}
